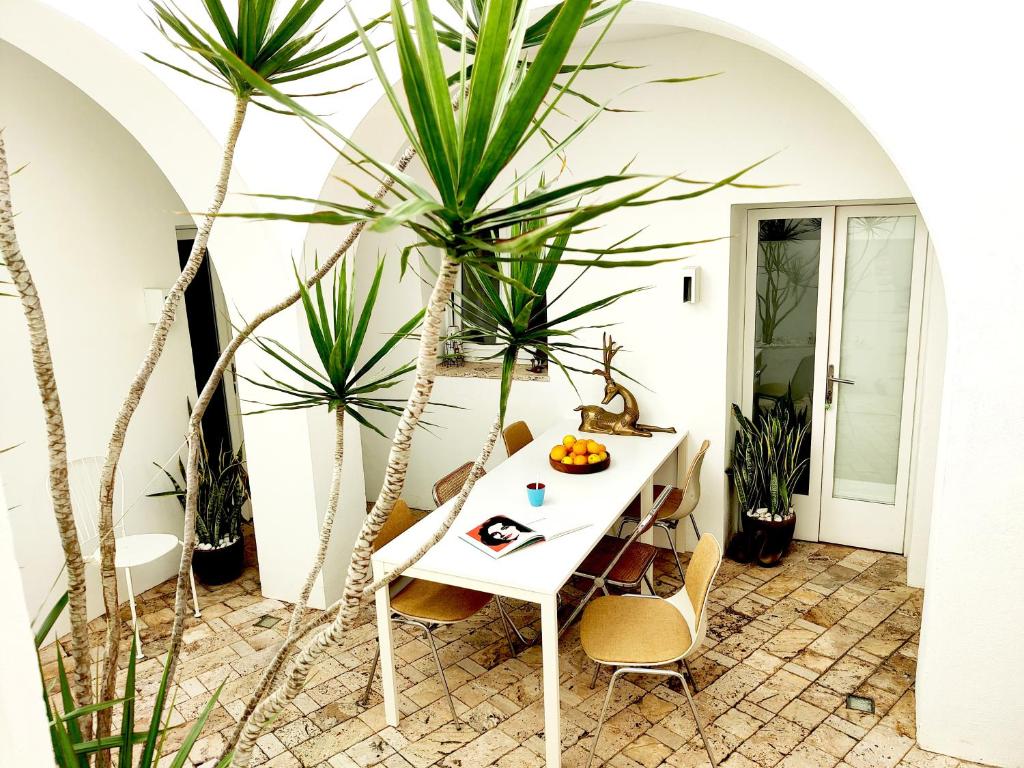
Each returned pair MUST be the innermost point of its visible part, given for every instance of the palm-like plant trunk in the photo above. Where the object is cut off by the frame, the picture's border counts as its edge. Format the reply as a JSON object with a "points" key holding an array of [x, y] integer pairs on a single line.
{"points": [[56, 442], [203, 402], [355, 592], [295, 626], [131, 403]]}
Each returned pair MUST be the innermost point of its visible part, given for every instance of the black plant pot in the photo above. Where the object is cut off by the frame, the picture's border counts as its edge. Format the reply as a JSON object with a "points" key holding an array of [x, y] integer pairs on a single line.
{"points": [[770, 539], [221, 565]]}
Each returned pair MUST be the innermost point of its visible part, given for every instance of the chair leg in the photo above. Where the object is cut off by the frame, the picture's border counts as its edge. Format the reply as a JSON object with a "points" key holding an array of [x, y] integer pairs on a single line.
{"points": [[582, 604], [369, 680], [597, 671], [700, 727], [689, 673], [696, 530], [135, 618], [440, 671], [672, 546], [604, 710], [195, 595], [650, 586], [509, 624]]}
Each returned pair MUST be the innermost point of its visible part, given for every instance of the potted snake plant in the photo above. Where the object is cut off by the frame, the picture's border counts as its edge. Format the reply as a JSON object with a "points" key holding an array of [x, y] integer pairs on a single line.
{"points": [[223, 492], [768, 460]]}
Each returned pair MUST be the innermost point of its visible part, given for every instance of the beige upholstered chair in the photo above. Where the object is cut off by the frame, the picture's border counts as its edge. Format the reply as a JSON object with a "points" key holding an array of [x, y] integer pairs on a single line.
{"points": [[621, 563], [428, 605], [637, 634], [680, 505], [516, 437]]}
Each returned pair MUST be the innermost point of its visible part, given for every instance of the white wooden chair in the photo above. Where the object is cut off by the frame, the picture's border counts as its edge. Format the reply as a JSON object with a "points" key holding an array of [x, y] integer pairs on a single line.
{"points": [[132, 549]]}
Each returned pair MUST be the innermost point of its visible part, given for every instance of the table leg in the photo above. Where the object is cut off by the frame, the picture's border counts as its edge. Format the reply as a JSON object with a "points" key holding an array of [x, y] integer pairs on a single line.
{"points": [[647, 537], [552, 711], [387, 651]]}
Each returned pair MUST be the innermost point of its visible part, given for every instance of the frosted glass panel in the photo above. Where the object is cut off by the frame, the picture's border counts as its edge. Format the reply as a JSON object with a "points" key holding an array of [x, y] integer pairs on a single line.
{"points": [[788, 254], [876, 308]]}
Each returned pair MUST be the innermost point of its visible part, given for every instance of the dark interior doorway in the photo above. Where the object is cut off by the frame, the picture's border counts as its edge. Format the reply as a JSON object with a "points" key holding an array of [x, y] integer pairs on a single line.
{"points": [[201, 310]]}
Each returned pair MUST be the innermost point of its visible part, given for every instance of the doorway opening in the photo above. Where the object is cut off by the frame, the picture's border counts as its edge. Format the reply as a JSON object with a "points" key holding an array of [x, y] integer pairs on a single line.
{"points": [[833, 317]]}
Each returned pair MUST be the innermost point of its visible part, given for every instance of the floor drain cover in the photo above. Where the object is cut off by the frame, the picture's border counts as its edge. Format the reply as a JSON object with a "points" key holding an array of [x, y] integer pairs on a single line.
{"points": [[267, 621], [860, 704]]}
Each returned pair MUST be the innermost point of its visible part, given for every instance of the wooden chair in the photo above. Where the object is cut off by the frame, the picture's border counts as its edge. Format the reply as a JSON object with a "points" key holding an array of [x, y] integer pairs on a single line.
{"points": [[619, 563], [679, 506], [637, 634], [448, 487], [428, 605], [516, 436]]}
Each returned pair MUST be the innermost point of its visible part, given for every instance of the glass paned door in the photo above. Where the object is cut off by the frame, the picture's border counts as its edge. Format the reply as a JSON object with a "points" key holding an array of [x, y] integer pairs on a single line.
{"points": [[877, 288], [789, 277]]}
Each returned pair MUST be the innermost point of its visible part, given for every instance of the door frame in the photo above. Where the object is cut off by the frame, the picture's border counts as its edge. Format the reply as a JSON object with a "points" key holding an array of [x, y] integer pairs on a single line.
{"points": [[876, 537], [808, 512]]}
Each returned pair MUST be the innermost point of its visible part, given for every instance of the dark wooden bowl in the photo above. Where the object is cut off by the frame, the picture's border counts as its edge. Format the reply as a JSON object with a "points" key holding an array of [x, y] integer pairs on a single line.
{"points": [[582, 469]]}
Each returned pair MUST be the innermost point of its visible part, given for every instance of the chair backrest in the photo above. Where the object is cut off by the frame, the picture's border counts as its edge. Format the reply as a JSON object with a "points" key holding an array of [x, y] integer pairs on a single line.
{"points": [[691, 489], [84, 484], [516, 437], [643, 525], [399, 521], [448, 487], [700, 576], [802, 383]]}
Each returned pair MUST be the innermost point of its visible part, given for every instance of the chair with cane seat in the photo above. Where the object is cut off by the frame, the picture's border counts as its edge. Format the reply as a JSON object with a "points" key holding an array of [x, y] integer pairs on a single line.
{"points": [[516, 436], [644, 635], [428, 605], [680, 505], [615, 562], [132, 549]]}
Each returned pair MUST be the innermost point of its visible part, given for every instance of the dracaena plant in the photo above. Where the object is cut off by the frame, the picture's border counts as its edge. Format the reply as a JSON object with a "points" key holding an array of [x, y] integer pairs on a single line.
{"points": [[347, 382], [505, 100], [282, 41]]}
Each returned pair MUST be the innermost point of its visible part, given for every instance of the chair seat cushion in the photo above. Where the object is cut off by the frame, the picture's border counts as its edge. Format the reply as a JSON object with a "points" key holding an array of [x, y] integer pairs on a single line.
{"points": [[634, 630], [631, 566], [140, 548], [668, 509], [430, 601]]}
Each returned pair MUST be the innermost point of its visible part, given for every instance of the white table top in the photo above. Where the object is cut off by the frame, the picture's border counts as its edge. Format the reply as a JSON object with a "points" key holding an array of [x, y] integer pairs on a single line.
{"points": [[543, 568]]}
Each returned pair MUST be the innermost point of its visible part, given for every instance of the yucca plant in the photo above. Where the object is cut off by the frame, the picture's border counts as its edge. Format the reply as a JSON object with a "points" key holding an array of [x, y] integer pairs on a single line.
{"points": [[506, 102], [73, 749], [25, 289], [280, 40], [347, 382]]}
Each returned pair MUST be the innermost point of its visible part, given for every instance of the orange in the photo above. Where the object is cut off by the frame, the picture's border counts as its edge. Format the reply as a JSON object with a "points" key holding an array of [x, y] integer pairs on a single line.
{"points": [[579, 460], [601, 448], [602, 456], [568, 440], [579, 448], [593, 458], [567, 460], [593, 446], [558, 452]]}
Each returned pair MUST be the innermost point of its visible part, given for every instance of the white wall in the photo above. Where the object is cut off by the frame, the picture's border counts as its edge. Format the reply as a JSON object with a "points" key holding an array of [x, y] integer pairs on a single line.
{"points": [[96, 223], [707, 130]]}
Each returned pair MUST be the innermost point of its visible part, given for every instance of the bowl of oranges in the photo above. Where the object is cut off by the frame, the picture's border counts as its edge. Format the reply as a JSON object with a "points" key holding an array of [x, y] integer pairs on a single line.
{"points": [[579, 457]]}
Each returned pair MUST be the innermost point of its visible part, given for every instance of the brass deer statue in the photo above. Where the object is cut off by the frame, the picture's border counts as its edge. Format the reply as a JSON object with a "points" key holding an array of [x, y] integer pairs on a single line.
{"points": [[594, 418]]}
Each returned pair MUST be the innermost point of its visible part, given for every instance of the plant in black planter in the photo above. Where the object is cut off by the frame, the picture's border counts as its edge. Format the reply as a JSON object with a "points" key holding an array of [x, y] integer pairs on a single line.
{"points": [[767, 463], [223, 491]]}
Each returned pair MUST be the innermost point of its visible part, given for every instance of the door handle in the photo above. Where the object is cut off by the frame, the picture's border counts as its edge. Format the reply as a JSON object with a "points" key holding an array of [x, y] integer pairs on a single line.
{"points": [[830, 381]]}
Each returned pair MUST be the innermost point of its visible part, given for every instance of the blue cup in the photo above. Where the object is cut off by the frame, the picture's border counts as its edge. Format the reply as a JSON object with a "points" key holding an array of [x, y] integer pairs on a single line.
{"points": [[535, 493]]}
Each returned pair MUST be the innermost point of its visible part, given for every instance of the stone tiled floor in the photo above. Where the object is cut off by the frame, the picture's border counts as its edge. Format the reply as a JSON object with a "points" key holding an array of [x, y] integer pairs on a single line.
{"points": [[785, 647]]}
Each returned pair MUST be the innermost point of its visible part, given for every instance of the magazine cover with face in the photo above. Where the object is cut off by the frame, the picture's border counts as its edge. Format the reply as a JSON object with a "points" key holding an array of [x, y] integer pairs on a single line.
{"points": [[499, 535]]}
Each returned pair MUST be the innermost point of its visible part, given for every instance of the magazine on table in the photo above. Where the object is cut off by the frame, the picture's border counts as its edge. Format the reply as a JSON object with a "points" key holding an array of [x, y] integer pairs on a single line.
{"points": [[499, 535]]}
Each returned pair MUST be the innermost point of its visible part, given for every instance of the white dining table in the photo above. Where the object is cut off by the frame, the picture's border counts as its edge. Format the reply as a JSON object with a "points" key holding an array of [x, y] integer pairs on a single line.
{"points": [[535, 573]]}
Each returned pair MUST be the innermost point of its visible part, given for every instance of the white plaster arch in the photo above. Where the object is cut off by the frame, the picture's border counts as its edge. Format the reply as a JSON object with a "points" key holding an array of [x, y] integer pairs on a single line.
{"points": [[254, 268], [938, 120]]}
